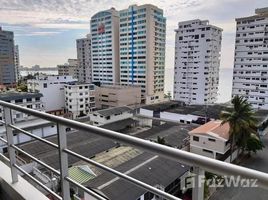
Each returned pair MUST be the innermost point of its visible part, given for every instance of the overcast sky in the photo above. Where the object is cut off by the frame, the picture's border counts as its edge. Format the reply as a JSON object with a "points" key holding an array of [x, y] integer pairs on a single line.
{"points": [[46, 30]]}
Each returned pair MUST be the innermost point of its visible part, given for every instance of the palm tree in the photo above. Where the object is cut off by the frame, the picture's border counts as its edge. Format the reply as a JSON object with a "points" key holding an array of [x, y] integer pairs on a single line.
{"points": [[241, 121]]}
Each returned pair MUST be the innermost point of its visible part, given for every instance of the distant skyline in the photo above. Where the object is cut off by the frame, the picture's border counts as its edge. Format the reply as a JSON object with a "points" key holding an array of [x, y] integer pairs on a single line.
{"points": [[46, 30]]}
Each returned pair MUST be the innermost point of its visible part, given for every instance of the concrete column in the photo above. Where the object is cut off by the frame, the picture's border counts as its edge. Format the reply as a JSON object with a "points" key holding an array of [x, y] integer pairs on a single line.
{"points": [[10, 142], [198, 187]]}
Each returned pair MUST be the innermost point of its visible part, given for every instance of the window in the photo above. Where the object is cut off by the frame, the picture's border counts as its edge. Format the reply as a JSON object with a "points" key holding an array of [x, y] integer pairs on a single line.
{"points": [[45, 85], [207, 151], [195, 138], [211, 140]]}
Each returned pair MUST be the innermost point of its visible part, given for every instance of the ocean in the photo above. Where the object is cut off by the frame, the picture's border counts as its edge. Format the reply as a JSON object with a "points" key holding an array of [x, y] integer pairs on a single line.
{"points": [[225, 81], [225, 84]]}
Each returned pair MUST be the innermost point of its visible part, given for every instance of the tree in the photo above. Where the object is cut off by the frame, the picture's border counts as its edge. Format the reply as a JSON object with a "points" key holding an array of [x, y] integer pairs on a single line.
{"points": [[254, 144], [22, 87], [161, 140], [241, 121]]}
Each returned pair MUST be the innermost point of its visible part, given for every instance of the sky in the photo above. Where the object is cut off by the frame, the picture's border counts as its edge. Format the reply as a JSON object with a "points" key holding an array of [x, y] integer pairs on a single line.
{"points": [[46, 30]]}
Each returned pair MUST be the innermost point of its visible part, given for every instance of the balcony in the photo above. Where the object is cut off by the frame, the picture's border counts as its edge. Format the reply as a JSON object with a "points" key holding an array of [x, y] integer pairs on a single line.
{"points": [[199, 163]]}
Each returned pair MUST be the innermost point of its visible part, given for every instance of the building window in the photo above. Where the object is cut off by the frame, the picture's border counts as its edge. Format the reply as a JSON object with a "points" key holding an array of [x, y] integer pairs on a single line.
{"points": [[195, 138], [207, 151], [45, 85], [211, 140]]}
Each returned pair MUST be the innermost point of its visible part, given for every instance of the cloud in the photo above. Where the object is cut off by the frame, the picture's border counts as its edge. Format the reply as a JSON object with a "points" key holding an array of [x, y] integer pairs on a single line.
{"points": [[52, 17], [38, 33]]}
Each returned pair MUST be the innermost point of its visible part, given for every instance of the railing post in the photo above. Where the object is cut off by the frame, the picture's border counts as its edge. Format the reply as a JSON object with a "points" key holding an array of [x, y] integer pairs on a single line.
{"points": [[63, 158], [199, 181], [10, 141]]}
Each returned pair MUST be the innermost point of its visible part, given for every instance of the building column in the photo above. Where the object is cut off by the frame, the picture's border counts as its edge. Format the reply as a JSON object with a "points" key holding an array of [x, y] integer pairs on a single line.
{"points": [[198, 187]]}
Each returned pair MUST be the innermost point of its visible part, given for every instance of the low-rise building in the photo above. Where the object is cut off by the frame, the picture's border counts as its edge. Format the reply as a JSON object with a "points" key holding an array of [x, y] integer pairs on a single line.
{"points": [[52, 89], [79, 99], [210, 139], [69, 69], [24, 99], [117, 95], [38, 127], [110, 115]]}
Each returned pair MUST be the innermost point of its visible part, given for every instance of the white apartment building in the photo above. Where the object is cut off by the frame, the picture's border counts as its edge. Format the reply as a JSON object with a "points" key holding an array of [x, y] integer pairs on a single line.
{"points": [[109, 115], [250, 73], [210, 139], [52, 89], [24, 99], [79, 99], [142, 50], [197, 62], [69, 69], [104, 28], [83, 47]]}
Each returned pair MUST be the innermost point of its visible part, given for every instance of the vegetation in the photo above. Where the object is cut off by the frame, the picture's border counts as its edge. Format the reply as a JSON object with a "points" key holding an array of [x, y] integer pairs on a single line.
{"points": [[22, 87], [242, 122], [161, 140]]}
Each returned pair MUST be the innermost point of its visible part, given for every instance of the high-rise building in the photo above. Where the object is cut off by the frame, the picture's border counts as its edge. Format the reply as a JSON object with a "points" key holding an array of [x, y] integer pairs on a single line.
{"points": [[142, 50], [7, 61], [83, 47], [197, 62], [17, 62], [105, 46], [69, 69], [250, 74]]}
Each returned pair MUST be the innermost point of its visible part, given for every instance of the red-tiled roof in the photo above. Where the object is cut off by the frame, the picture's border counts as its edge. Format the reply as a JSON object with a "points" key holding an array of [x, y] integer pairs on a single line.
{"points": [[213, 128]]}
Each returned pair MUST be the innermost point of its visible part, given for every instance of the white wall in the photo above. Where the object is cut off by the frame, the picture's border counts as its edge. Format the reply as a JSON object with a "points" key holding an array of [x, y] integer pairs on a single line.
{"points": [[177, 117], [101, 120], [204, 143], [53, 94], [146, 112], [42, 132]]}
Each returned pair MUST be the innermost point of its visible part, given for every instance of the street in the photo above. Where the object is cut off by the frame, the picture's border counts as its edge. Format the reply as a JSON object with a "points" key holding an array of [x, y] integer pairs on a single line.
{"points": [[258, 162]]}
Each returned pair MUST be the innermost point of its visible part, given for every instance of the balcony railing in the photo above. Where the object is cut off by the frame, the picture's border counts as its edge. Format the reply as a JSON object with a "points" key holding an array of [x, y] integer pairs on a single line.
{"points": [[199, 163]]}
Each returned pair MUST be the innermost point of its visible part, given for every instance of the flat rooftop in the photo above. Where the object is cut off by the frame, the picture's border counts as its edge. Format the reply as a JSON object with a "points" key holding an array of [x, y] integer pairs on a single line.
{"points": [[89, 144], [119, 86], [146, 167], [211, 111], [113, 111], [13, 95]]}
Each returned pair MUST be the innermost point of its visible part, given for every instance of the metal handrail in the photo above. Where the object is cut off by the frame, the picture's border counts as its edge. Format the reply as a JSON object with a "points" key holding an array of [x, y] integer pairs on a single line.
{"points": [[124, 176], [36, 160], [3, 140], [188, 158], [34, 136], [37, 182]]}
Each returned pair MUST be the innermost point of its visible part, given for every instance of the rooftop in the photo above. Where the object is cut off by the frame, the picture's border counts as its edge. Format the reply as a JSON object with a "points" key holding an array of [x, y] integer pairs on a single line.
{"points": [[214, 129], [119, 86], [113, 111], [210, 111], [13, 95], [147, 168]]}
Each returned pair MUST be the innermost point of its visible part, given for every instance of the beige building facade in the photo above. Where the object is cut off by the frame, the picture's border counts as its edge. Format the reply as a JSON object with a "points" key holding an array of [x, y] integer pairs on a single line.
{"points": [[117, 95], [69, 69]]}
